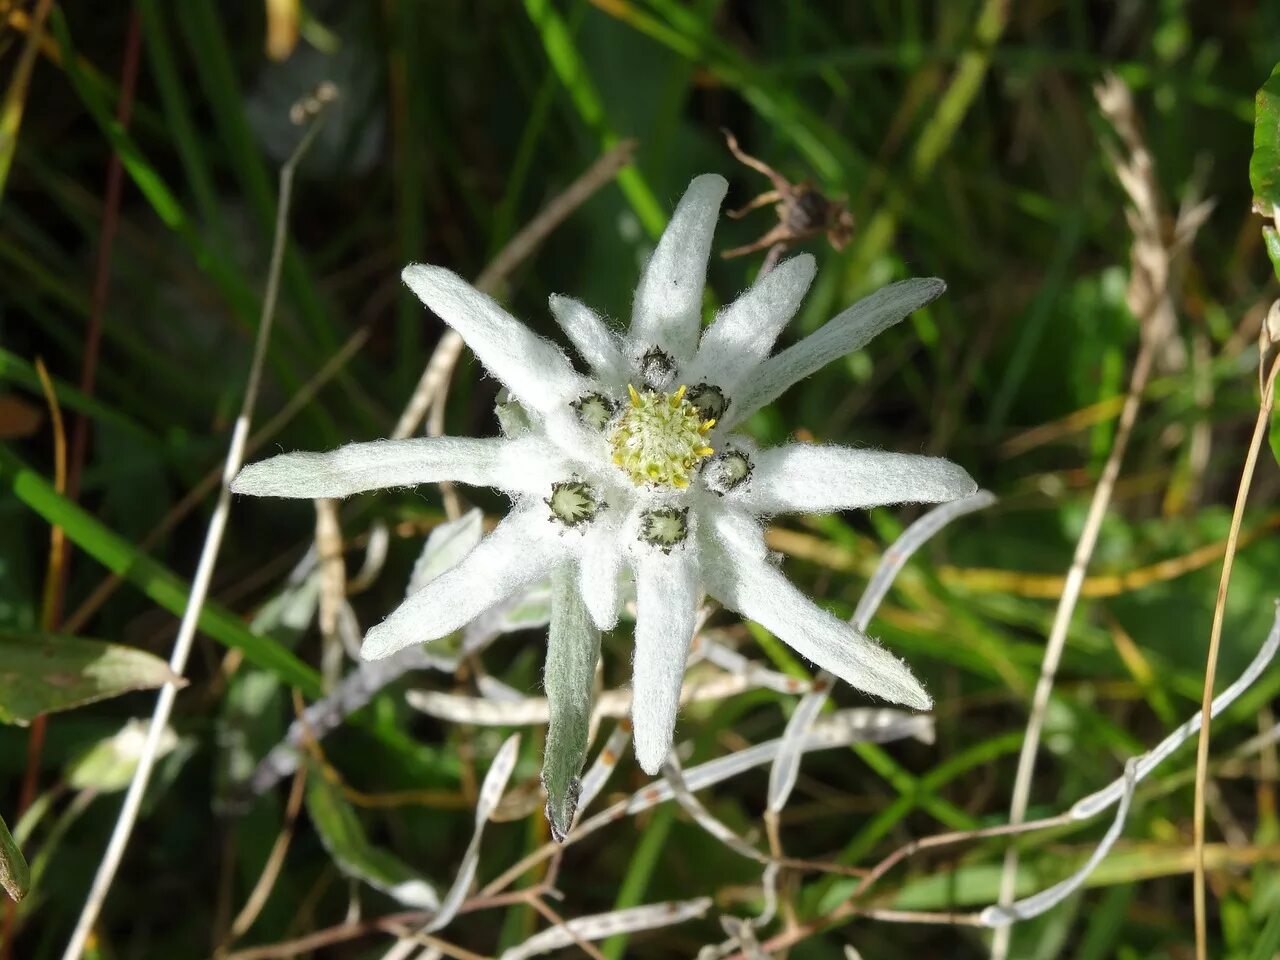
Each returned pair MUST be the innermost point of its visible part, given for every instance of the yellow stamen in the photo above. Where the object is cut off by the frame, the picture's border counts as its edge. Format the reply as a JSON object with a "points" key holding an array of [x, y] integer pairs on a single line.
{"points": [[706, 425], [635, 397]]}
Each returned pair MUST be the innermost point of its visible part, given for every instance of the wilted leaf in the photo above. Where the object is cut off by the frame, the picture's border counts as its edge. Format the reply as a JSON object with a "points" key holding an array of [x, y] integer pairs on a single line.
{"points": [[530, 611], [110, 763], [345, 839], [446, 545], [44, 672], [18, 417], [1264, 165], [15, 877], [290, 612], [283, 17]]}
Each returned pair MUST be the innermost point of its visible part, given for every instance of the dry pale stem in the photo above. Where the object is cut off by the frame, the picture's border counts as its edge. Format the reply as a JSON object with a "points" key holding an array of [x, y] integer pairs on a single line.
{"points": [[333, 589], [1215, 640], [271, 870], [131, 807], [1154, 258]]}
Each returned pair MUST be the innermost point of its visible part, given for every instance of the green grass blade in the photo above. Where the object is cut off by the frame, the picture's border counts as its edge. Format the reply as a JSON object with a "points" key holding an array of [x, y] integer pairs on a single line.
{"points": [[152, 578], [562, 52], [14, 369], [178, 116], [640, 871], [207, 41]]}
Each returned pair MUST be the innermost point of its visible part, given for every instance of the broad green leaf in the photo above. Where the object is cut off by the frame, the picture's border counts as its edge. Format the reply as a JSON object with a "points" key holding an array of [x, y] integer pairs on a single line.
{"points": [[45, 672], [1264, 165], [573, 649], [345, 839], [15, 877]]}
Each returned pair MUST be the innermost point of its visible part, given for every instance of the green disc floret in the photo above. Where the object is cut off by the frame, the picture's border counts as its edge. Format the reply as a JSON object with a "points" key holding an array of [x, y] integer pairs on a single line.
{"points": [[573, 502], [595, 409], [726, 470], [657, 369], [665, 527], [708, 400]]}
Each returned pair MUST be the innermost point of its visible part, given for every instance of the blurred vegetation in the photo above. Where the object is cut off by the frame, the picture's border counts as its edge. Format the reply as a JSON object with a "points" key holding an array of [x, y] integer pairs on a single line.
{"points": [[967, 142]]}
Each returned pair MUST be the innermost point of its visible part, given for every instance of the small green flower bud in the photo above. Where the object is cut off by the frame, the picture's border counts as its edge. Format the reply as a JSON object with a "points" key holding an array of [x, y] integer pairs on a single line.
{"points": [[573, 502], [665, 527]]}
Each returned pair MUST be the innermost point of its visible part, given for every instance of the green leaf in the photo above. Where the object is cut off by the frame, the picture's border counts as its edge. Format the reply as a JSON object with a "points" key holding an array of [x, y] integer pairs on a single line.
{"points": [[170, 592], [154, 579], [45, 672], [345, 839], [1264, 165], [15, 876], [1271, 239], [572, 653], [562, 52], [1273, 431], [1268, 942]]}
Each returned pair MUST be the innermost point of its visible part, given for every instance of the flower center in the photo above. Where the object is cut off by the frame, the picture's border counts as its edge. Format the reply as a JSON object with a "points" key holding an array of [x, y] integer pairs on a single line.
{"points": [[660, 438]]}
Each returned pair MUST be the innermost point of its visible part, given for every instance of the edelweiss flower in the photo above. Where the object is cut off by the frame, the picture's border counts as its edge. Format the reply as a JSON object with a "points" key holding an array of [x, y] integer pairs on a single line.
{"points": [[636, 467]]}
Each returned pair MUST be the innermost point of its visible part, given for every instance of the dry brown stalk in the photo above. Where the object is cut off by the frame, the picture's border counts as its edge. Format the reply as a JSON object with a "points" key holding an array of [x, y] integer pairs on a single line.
{"points": [[1153, 256], [1215, 640]]}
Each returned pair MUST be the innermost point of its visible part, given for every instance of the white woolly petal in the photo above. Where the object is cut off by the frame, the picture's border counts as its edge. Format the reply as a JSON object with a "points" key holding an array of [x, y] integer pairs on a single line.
{"points": [[806, 478], [528, 464], [577, 441], [535, 370], [523, 548], [666, 602], [590, 335], [599, 567], [847, 331], [743, 333], [667, 312], [737, 574]]}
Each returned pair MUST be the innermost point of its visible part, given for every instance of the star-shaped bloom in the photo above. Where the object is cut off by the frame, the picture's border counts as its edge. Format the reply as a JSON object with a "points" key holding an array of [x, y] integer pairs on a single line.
{"points": [[634, 467]]}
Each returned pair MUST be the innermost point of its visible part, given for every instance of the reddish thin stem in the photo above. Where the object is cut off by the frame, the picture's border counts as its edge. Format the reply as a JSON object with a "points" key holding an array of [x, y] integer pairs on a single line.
{"points": [[88, 377]]}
